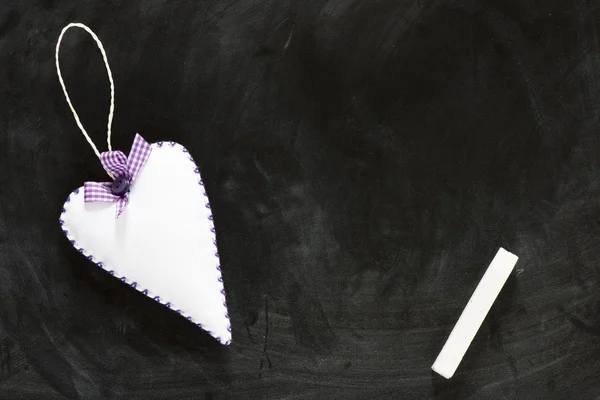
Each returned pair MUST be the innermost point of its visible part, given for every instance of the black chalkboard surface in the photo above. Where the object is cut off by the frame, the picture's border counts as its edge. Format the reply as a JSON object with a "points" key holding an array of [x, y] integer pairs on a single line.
{"points": [[365, 161]]}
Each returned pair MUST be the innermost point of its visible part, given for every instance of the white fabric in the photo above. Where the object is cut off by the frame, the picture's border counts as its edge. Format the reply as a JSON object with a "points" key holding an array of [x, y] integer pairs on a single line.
{"points": [[162, 241]]}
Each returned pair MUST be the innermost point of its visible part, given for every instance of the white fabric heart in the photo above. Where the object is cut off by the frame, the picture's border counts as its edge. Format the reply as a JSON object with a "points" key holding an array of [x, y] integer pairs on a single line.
{"points": [[163, 244]]}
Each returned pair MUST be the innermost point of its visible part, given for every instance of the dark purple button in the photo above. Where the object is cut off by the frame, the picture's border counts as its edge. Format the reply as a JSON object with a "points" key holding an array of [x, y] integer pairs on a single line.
{"points": [[120, 186]]}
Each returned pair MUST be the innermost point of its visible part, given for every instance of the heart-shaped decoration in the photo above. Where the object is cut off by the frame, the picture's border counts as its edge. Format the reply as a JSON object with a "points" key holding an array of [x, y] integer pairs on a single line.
{"points": [[163, 244]]}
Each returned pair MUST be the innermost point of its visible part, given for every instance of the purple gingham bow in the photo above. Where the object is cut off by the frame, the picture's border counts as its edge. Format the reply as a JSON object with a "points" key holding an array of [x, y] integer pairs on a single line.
{"points": [[121, 167]]}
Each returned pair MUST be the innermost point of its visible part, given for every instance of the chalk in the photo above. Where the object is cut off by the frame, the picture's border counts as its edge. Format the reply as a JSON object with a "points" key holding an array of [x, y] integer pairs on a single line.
{"points": [[474, 313]]}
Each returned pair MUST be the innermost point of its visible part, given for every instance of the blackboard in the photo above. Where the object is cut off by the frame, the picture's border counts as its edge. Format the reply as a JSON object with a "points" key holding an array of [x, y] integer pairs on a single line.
{"points": [[364, 160]]}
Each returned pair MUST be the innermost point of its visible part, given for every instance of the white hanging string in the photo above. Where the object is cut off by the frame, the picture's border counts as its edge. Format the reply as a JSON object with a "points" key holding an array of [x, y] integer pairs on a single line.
{"points": [[112, 88]]}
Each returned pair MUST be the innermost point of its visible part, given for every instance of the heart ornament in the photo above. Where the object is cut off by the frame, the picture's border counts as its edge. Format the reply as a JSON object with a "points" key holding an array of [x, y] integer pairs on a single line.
{"points": [[152, 227]]}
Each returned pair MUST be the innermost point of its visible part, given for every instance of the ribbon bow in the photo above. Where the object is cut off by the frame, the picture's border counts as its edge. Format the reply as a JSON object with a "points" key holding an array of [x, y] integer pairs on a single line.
{"points": [[124, 169]]}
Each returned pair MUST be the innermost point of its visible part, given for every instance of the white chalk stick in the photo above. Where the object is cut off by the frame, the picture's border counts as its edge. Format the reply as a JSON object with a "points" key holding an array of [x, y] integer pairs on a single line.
{"points": [[474, 313]]}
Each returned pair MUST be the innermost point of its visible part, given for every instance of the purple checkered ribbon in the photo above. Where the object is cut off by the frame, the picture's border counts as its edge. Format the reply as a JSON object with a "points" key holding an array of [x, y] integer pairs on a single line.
{"points": [[121, 167]]}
